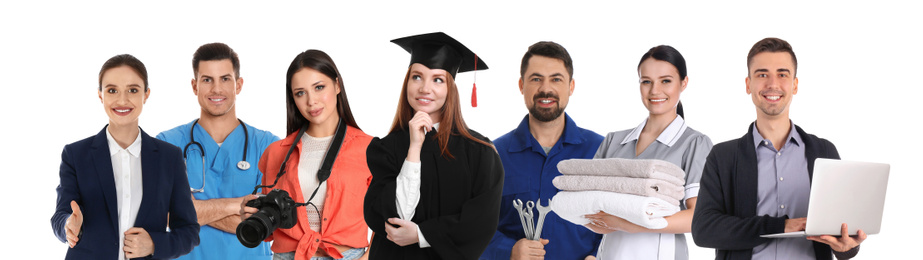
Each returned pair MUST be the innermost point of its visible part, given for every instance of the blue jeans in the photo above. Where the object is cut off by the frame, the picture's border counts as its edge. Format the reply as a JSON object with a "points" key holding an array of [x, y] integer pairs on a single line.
{"points": [[350, 254]]}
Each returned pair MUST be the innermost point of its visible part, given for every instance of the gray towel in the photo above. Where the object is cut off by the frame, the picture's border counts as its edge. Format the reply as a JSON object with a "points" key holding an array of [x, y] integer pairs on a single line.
{"points": [[646, 187], [636, 168]]}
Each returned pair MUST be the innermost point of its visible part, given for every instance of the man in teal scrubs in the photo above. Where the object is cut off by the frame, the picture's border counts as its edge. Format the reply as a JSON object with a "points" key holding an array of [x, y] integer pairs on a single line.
{"points": [[232, 150]]}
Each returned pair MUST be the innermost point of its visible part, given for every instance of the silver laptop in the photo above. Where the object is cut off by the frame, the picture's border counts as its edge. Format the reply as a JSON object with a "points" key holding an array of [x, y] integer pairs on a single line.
{"points": [[844, 192]]}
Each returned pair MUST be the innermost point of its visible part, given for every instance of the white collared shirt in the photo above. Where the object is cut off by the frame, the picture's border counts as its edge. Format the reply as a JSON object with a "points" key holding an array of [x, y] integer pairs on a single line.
{"points": [[669, 136], [126, 168], [407, 195]]}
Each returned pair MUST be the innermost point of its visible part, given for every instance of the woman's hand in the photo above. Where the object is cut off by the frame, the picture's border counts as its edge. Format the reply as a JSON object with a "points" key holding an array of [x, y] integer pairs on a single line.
{"points": [[598, 228], [404, 234], [246, 212], [613, 223], [420, 124], [138, 243], [73, 225]]}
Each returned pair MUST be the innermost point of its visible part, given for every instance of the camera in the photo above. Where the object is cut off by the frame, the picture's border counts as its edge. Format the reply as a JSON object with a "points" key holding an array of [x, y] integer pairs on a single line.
{"points": [[276, 210]]}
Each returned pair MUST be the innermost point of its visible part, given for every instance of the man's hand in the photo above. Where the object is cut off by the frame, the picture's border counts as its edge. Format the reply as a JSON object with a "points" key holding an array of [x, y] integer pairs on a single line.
{"points": [[795, 224], [529, 249], [842, 243], [73, 225], [403, 235], [138, 243]]}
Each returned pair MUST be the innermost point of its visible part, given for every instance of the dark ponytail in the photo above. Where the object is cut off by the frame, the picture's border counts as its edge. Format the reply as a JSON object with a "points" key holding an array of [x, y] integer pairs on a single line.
{"points": [[671, 55], [679, 109]]}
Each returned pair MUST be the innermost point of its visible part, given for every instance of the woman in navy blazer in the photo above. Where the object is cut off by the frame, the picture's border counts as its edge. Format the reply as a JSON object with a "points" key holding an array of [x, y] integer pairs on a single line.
{"points": [[144, 204]]}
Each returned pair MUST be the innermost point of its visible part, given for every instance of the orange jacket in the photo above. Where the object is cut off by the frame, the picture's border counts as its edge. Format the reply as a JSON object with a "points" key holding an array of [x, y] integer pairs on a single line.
{"points": [[342, 222]]}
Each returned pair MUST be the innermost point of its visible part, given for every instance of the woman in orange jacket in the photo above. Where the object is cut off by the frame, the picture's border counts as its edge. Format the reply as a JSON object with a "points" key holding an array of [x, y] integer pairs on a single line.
{"points": [[330, 225]]}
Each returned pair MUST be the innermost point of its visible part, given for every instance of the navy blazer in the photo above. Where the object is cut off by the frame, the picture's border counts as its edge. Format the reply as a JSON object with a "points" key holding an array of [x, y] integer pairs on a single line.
{"points": [[725, 214], [87, 178]]}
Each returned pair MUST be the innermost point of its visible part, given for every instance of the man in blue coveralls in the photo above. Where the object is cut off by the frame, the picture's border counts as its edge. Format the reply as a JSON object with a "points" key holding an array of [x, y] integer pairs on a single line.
{"points": [[530, 155], [232, 150]]}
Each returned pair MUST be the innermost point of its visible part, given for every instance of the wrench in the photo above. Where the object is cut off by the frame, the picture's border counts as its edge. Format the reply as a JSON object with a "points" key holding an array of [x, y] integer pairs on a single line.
{"points": [[517, 203], [542, 212], [529, 220]]}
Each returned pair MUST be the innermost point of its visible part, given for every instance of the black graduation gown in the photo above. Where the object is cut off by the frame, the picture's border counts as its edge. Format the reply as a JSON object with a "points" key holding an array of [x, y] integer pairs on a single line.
{"points": [[459, 198]]}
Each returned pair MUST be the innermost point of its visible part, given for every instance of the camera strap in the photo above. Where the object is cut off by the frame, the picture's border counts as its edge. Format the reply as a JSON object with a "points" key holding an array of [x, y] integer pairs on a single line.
{"points": [[324, 172], [329, 157]]}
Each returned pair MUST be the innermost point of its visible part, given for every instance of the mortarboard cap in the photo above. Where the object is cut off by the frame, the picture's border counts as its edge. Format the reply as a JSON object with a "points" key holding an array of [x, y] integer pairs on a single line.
{"points": [[440, 51]]}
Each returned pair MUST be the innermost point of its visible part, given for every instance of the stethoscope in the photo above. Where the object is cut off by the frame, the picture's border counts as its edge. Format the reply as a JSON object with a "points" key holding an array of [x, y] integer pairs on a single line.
{"points": [[242, 164]]}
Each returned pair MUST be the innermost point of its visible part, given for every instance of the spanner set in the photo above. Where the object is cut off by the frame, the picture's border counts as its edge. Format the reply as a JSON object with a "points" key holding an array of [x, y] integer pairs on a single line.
{"points": [[532, 231]]}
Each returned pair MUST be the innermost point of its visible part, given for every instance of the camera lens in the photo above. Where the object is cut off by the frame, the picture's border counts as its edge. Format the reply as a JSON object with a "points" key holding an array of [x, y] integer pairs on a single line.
{"points": [[258, 227]]}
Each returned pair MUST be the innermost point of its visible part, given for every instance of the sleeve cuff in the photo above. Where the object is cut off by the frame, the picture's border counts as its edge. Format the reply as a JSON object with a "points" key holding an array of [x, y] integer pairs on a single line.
{"points": [[407, 193], [159, 239], [423, 243], [775, 225], [848, 254], [691, 191], [410, 170]]}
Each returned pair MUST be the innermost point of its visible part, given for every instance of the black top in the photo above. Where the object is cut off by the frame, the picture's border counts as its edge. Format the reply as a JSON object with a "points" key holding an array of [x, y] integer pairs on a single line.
{"points": [[725, 214], [459, 198]]}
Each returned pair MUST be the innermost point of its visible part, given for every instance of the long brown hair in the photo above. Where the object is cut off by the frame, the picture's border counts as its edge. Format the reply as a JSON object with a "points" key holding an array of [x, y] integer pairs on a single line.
{"points": [[321, 62], [452, 122]]}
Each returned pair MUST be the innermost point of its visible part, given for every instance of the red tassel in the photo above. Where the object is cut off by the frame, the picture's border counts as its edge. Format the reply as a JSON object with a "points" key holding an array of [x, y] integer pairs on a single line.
{"points": [[474, 89], [474, 95]]}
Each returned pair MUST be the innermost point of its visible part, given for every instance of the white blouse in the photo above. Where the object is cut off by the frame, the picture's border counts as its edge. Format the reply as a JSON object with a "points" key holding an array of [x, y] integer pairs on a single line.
{"points": [[126, 168]]}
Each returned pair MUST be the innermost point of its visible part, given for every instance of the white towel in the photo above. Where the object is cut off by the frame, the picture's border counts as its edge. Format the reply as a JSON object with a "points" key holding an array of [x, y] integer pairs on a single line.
{"points": [[635, 168], [647, 212], [647, 187]]}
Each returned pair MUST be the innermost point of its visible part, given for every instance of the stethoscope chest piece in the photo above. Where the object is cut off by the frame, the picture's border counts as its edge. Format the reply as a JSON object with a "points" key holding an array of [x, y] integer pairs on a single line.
{"points": [[243, 165]]}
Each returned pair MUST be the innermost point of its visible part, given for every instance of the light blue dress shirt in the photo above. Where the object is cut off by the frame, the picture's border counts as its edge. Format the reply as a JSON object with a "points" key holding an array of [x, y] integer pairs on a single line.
{"points": [[783, 189]]}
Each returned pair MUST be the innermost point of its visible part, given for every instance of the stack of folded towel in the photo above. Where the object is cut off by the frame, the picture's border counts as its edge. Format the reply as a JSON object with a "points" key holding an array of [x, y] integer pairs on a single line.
{"points": [[639, 191]]}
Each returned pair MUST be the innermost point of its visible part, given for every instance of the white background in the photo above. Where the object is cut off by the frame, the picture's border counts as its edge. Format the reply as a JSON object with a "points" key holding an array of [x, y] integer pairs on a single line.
{"points": [[859, 71]]}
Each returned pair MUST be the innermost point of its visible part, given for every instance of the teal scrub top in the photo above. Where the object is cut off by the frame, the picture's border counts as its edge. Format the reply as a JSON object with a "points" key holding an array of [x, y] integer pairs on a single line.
{"points": [[222, 179]]}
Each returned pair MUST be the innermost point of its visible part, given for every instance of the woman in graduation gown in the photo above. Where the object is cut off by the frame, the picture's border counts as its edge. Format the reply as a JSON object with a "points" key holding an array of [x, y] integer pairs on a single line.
{"points": [[329, 218], [436, 185], [664, 135], [124, 194]]}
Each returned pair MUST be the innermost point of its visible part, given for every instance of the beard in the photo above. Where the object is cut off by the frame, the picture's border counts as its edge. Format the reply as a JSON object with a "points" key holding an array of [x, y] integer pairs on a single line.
{"points": [[545, 114]]}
